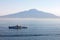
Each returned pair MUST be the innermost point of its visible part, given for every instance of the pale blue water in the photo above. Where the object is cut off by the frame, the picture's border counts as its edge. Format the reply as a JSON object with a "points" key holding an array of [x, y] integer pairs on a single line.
{"points": [[38, 29]]}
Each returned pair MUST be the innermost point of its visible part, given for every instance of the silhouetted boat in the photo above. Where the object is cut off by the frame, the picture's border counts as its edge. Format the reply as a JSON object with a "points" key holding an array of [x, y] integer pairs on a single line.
{"points": [[17, 27]]}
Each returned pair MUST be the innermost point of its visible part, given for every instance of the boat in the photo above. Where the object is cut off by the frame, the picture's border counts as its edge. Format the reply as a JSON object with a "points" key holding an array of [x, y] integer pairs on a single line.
{"points": [[17, 27]]}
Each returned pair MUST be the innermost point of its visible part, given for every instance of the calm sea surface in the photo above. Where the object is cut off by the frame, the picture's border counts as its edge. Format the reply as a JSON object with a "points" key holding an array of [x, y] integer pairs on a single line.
{"points": [[38, 29]]}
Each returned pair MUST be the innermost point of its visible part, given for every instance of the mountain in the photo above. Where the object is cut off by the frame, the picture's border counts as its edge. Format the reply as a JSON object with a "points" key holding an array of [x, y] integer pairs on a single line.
{"points": [[32, 13]]}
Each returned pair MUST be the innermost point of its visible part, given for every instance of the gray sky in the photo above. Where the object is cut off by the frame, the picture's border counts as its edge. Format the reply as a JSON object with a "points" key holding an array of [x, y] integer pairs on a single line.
{"points": [[13, 6]]}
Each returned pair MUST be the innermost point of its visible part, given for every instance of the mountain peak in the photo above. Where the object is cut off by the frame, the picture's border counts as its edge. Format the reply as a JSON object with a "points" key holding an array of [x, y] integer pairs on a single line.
{"points": [[32, 13], [33, 10]]}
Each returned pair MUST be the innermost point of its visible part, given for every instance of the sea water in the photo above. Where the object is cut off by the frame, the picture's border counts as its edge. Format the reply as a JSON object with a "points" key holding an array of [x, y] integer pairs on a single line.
{"points": [[38, 29]]}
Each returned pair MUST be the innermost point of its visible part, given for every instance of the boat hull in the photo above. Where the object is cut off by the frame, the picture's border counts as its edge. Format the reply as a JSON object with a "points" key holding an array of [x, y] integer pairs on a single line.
{"points": [[17, 27]]}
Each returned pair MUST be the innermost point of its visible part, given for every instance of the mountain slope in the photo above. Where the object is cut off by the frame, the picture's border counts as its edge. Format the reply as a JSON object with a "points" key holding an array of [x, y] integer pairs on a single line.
{"points": [[32, 13]]}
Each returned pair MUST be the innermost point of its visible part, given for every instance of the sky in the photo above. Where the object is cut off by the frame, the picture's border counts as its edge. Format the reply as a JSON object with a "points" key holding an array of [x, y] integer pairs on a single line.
{"points": [[14, 6]]}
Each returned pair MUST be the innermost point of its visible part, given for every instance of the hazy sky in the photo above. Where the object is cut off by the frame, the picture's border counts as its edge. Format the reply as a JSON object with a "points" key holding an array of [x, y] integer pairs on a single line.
{"points": [[13, 6]]}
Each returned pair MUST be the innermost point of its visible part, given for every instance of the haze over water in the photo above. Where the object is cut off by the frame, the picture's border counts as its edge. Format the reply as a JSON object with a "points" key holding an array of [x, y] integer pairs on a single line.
{"points": [[38, 29]]}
